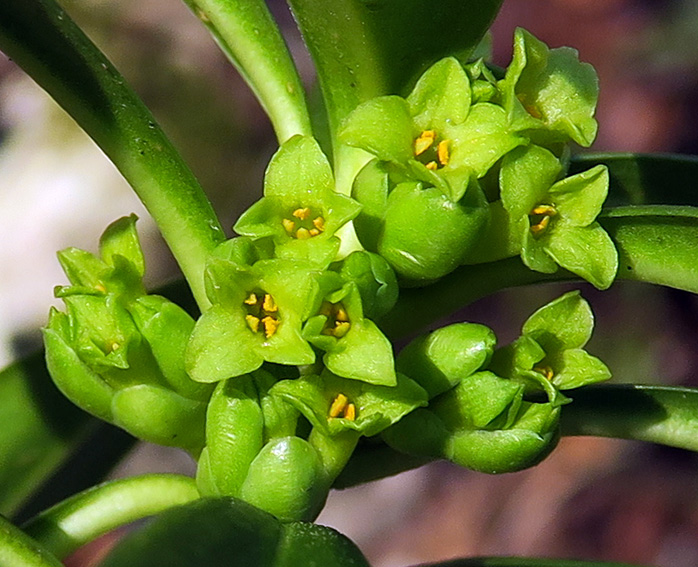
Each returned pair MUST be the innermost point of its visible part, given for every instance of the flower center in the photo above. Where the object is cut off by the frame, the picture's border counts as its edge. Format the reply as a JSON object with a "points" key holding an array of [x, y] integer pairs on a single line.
{"points": [[342, 407], [546, 371], [262, 313], [303, 223], [539, 218], [337, 324], [433, 152]]}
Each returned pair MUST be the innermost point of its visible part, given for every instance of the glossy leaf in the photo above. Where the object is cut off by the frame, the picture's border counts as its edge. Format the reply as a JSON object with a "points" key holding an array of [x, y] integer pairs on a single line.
{"points": [[232, 532], [42, 39]]}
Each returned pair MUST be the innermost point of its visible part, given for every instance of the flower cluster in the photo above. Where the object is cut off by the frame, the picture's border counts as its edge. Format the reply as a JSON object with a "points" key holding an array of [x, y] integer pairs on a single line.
{"points": [[471, 169]]}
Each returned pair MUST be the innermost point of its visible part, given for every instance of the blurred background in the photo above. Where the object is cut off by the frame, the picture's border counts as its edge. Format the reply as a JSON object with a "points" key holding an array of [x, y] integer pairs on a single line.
{"points": [[593, 498]]}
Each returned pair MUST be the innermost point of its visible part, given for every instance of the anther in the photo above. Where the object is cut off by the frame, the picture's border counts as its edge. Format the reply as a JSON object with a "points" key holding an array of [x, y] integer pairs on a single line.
{"points": [[302, 214], [251, 299], [432, 166], [536, 229], [319, 223], [252, 322], [303, 234], [270, 326], [424, 142], [350, 412], [442, 152], [268, 305], [546, 371], [548, 210], [289, 225], [338, 405], [341, 328]]}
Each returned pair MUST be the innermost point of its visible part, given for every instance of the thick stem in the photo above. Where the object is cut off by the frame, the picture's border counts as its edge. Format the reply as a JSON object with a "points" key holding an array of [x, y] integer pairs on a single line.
{"points": [[80, 519], [19, 550]]}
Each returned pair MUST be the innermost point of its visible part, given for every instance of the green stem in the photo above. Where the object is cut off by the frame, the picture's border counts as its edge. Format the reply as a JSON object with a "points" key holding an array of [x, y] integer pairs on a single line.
{"points": [[248, 35], [19, 550], [40, 37], [334, 451], [80, 519]]}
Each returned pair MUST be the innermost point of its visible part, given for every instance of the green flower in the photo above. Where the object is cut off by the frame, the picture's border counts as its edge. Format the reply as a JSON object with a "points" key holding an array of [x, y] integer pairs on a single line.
{"points": [[118, 353], [549, 94], [556, 219], [549, 355], [354, 347], [334, 405], [256, 316], [375, 280], [300, 210], [435, 135]]}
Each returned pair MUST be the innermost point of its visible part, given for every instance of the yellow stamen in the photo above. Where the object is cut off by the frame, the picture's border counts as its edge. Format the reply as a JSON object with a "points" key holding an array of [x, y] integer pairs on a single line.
{"points": [[341, 314], [303, 234], [442, 152], [432, 166], [548, 210], [545, 371], [350, 412], [338, 405], [251, 300], [302, 214], [319, 223], [289, 225], [252, 322], [341, 329], [268, 305], [270, 326], [100, 287], [113, 346], [314, 232], [536, 229], [424, 142]]}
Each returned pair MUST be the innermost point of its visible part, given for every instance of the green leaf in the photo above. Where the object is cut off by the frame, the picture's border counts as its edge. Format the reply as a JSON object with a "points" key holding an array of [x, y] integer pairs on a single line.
{"points": [[658, 414], [42, 39], [363, 50], [248, 35], [231, 532]]}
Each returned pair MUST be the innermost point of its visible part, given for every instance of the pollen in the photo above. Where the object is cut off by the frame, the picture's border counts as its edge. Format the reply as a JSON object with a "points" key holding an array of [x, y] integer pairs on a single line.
{"points": [[443, 153], [341, 407], [319, 223], [545, 371], [252, 322], [432, 151], [270, 326], [251, 299], [268, 304], [303, 234], [337, 324], [304, 223], [289, 225]]}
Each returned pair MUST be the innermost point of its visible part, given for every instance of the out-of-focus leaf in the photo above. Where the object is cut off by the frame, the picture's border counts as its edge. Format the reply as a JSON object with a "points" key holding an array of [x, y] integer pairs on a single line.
{"points": [[646, 179], [42, 39], [231, 532]]}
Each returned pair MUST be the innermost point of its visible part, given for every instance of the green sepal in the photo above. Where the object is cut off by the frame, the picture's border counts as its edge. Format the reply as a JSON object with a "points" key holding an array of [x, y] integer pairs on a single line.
{"points": [[377, 407], [441, 97], [87, 273], [370, 188], [158, 415], [287, 479], [75, 379], [375, 280], [222, 345], [280, 418], [234, 437], [363, 352], [534, 435], [576, 367], [550, 89], [440, 360], [426, 235], [166, 328], [243, 251]]}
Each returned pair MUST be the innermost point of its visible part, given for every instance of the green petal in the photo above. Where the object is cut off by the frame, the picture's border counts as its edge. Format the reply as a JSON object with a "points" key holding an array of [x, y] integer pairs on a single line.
{"points": [[382, 126], [441, 96], [84, 270], [579, 198], [262, 219], [552, 84], [243, 251], [588, 252], [375, 280], [576, 367], [482, 139], [513, 359], [365, 354], [565, 323], [443, 358], [534, 251], [526, 177], [298, 173], [377, 407], [227, 282], [121, 239], [221, 346]]}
